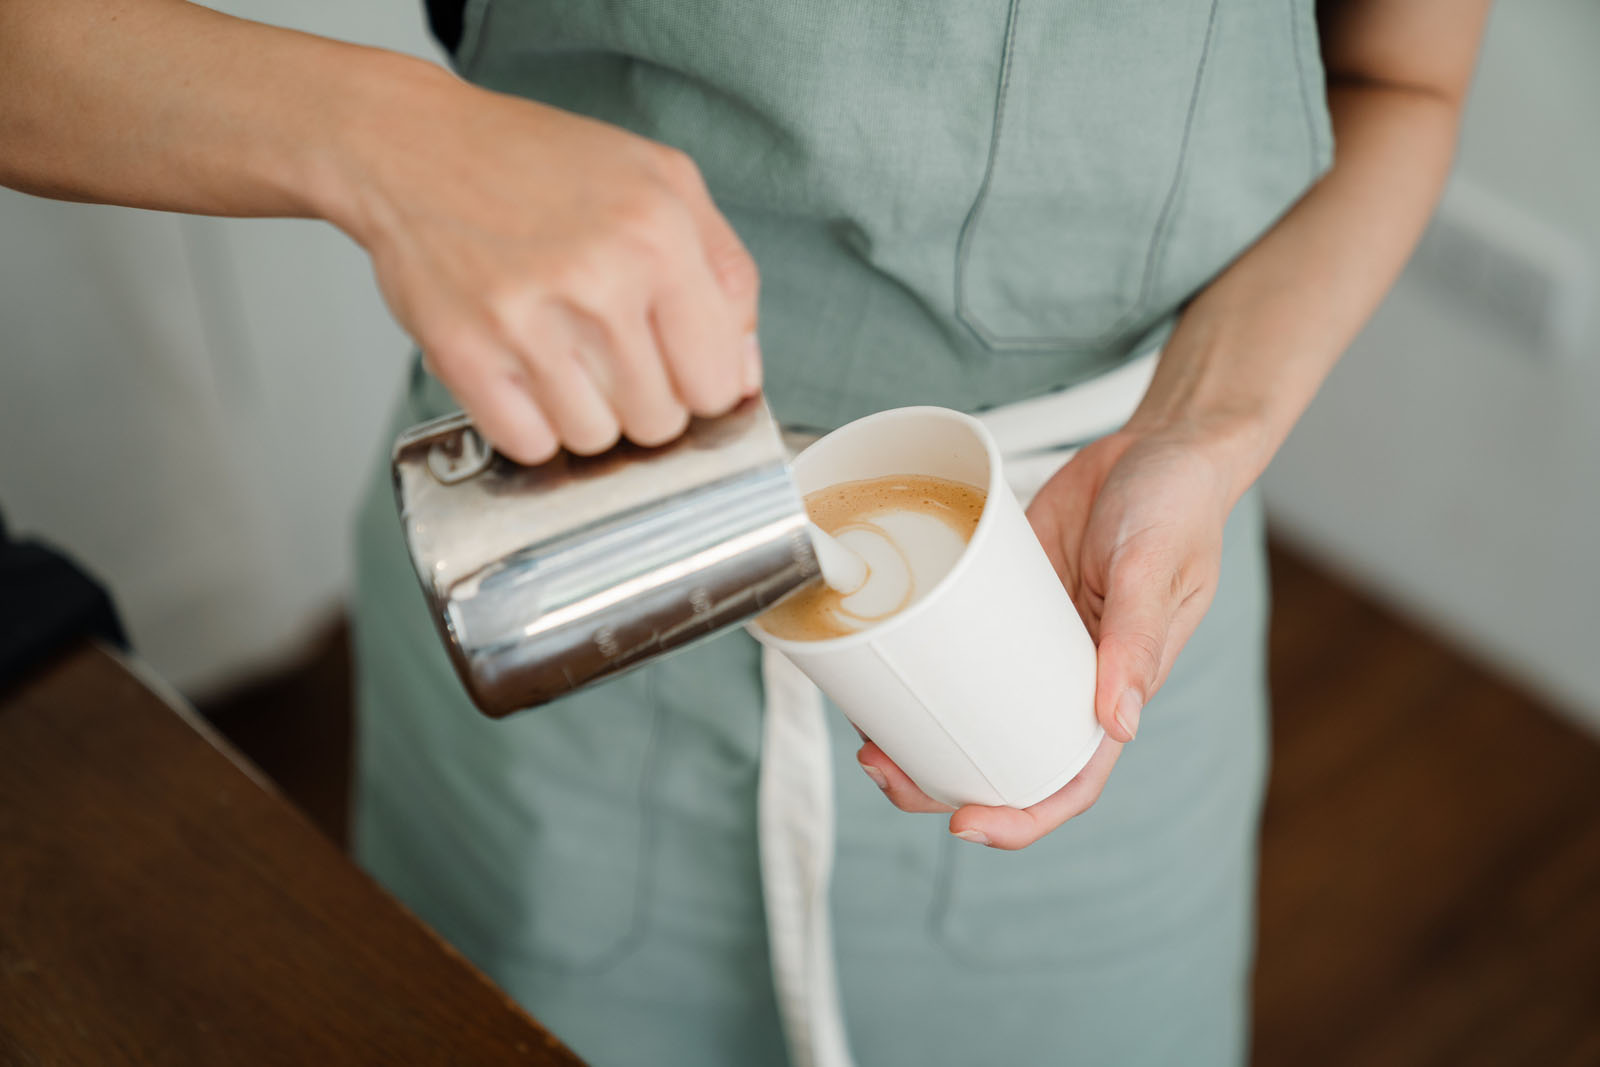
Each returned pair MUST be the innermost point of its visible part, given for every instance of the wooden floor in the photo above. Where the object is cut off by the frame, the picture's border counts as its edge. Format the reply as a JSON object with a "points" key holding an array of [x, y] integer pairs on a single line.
{"points": [[1430, 884], [1430, 873]]}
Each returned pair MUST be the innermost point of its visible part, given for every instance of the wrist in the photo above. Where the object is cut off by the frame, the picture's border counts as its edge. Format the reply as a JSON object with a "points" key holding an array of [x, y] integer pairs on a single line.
{"points": [[382, 99], [1237, 437], [1221, 388]]}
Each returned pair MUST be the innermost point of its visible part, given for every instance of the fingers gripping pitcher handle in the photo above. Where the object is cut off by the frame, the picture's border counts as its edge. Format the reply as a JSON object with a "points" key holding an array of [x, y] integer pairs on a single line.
{"points": [[545, 579]]}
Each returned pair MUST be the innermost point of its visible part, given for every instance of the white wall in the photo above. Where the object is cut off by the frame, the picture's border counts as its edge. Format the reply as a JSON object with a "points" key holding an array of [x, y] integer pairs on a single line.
{"points": [[1449, 464], [191, 405]]}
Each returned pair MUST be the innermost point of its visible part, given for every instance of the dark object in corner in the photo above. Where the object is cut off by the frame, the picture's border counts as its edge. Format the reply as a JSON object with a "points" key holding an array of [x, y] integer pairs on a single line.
{"points": [[444, 19], [47, 604]]}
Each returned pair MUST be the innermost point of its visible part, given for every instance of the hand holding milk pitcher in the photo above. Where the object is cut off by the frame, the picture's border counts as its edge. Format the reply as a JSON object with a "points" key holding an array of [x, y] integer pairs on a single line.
{"points": [[953, 645]]}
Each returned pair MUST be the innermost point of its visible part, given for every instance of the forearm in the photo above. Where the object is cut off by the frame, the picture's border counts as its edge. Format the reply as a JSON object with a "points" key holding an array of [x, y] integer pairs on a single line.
{"points": [[165, 104], [1251, 350]]}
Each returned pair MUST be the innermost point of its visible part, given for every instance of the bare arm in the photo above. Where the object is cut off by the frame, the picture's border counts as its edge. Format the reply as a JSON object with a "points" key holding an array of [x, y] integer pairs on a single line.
{"points": [[609, 297], [169, 105], [1251, 350], [1134, 522]]}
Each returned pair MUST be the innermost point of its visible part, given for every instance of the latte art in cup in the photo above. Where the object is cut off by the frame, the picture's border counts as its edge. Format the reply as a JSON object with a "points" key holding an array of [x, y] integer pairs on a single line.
{"points": [[910, 530]]}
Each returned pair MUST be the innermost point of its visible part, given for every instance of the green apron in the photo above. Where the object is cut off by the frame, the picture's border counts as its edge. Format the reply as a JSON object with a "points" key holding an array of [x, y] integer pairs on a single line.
{"points": [[955, 203]]}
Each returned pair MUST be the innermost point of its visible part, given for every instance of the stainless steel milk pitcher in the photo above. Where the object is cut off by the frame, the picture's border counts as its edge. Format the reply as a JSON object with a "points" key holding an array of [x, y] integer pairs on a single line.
{"points": [[546, 579]]}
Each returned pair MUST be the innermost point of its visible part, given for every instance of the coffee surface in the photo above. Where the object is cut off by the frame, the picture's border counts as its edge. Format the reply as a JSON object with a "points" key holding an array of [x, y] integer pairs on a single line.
{"points": [[910, 529]]}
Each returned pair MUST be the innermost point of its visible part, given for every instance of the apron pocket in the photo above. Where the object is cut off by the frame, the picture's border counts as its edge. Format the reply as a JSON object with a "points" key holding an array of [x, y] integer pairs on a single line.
{"points": [[583, 790], [1038, 909], [1062, 245]]}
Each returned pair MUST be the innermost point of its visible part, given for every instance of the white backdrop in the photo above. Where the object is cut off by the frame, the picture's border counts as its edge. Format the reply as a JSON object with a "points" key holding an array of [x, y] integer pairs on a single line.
{"points": [[1449, 465]]}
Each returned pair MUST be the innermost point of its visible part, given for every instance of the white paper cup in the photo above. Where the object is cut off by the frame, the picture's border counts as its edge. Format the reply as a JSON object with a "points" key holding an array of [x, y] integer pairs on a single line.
{"points": [[983, 690]]}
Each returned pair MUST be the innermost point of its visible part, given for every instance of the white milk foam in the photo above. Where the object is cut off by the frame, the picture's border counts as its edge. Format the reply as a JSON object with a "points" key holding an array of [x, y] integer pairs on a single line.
{"points": [[909, 529], [907, 552]]}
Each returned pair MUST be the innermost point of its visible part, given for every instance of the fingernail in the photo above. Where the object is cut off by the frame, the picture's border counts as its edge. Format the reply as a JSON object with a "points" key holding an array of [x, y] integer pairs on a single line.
{"points": [[752, 365], [977, 837], [879, 779], [1128, 706]]}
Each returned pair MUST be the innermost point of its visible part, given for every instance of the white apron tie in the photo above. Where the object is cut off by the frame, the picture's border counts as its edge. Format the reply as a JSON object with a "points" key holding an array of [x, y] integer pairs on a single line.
{"points": [[794, 799]]}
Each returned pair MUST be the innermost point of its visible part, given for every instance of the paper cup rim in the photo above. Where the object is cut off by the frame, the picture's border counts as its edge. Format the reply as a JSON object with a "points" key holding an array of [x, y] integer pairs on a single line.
{"points": [[900, 619]]}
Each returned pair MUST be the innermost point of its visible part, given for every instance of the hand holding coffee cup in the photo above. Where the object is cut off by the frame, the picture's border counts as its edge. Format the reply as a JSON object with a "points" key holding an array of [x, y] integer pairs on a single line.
{"points": [[1133, 526], [961, 656]]}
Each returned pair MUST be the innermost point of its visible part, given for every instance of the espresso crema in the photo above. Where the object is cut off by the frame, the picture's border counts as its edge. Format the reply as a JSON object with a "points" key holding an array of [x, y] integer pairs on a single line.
{"points": [[910, 530]]}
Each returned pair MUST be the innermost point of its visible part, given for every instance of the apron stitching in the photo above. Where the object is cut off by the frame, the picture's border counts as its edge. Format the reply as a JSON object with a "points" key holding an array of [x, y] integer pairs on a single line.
{"points": [[644, 880], [473, 17], [944, 888], [1313, 142], [1164, 223], [1158, 240], [969, 224]]}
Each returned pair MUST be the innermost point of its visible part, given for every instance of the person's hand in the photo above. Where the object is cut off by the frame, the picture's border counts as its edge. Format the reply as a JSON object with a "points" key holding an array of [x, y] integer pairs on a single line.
{"points": [[1133, 525], [567, 280]]}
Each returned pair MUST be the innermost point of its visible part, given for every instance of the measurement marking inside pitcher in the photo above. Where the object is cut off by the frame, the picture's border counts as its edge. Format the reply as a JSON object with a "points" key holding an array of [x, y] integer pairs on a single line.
{"points": [[801, 552], [659, 577]]}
